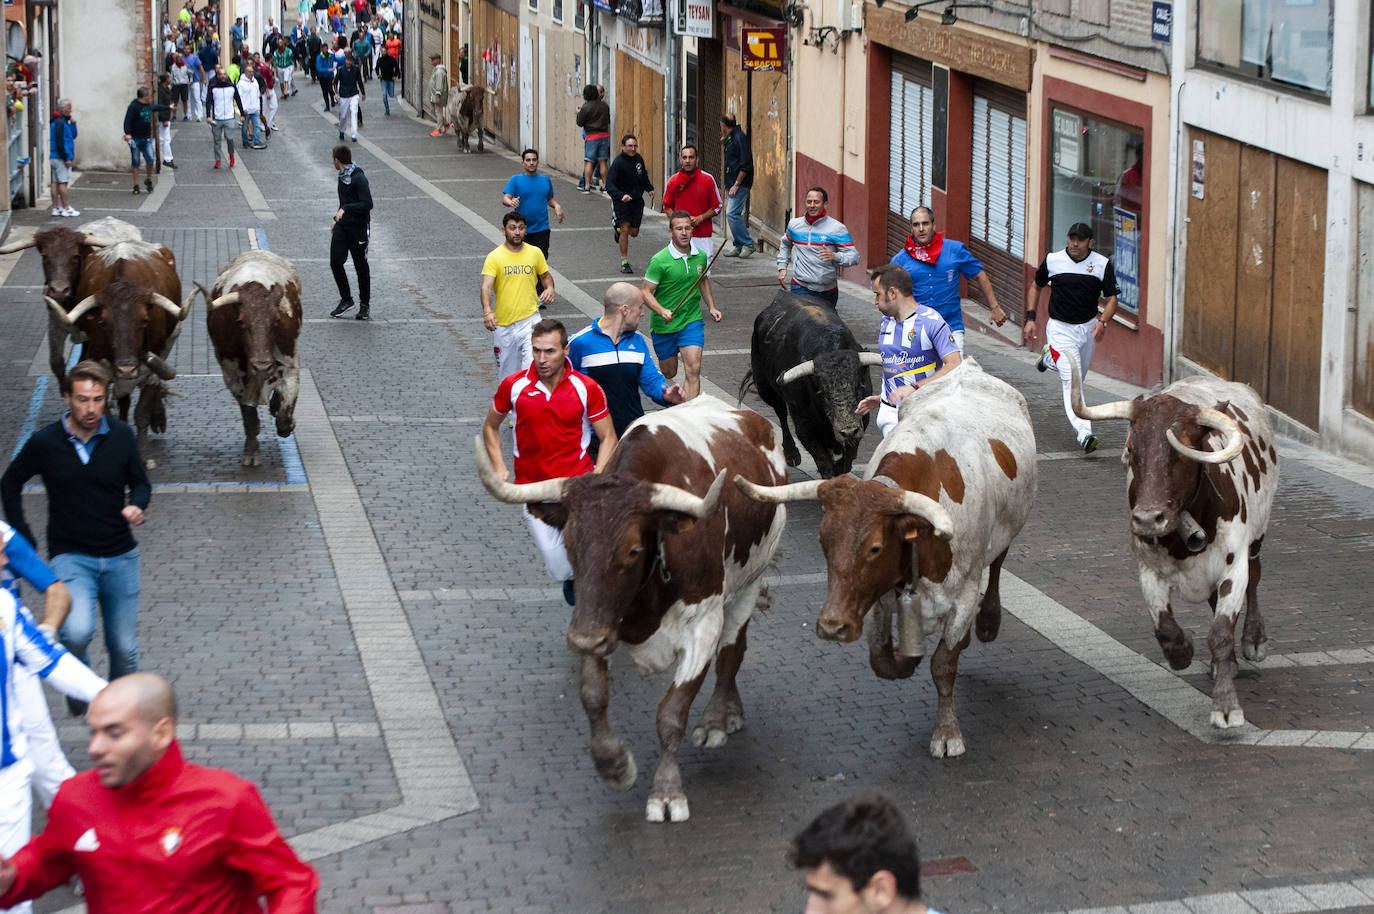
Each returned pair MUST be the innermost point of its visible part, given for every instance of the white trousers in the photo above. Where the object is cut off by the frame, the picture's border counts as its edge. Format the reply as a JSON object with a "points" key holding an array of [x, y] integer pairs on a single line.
{"points": [[197, 100], [1077, 340], [270, 110], [164, 140], [322, 18], [549, 541], [511, 345], [50, 765], [887, 418], [958, 340], [16, 811], [286, 79], [348, 115]]}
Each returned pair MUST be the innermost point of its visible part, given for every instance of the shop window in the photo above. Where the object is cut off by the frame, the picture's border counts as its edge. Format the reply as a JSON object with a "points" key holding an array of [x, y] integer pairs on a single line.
{"points": [[1279, 41], [580, 17], [557, 10], [1097, 178]]}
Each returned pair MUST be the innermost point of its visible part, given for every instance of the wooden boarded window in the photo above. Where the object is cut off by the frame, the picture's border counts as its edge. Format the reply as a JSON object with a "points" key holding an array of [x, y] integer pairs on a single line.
{"points": [[1256, 258]]}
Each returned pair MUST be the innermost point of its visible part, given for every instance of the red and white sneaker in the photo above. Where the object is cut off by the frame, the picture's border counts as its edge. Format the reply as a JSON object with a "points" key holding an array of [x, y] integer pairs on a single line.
{"points": [[217, 163], [231, 160]]}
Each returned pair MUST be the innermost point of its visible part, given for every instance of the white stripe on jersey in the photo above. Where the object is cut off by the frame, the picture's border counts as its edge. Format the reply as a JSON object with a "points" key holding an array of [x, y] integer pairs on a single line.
{"points": [[615, 357]]}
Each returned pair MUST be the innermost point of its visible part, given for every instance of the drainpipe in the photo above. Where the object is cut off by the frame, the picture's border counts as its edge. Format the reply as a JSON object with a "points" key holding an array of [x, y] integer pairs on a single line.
{"points": [[844, 121], [670, 81]]}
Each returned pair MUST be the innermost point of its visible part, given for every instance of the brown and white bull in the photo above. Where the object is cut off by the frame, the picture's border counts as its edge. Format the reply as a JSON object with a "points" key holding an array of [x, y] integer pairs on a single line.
{"points": [[670, 560], [254, 319], [127, 308], [63, 251], [464, 111], [1201, 473], [946, 493]]}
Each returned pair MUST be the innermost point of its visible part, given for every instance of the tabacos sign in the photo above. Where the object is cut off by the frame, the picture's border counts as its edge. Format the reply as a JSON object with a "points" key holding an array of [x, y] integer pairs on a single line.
{"points": [[763, 48]]}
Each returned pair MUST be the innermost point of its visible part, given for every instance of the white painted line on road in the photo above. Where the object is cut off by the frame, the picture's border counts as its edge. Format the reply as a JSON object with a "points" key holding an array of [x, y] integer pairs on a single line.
{"points": [[433, 781], [161, 189], [256, 202], [1292, 899]]}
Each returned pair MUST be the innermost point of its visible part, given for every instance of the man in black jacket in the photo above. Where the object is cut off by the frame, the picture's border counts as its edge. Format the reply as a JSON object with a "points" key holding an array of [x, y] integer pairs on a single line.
{"points": [[627, 181], [138, 133], [739, 177], [387, 69], [312, 50], [97, 489], [348, 82], [349, 234]]}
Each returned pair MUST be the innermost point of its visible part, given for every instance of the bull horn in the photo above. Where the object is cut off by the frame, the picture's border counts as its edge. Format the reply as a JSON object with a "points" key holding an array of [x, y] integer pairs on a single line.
{"points": [[95, 241], [189, 300], [925, 507], [509, 492], [1118, 409], [797, 491], [14, 247], [166, 303], [871, 358], [228, 298], [71, 317], [159, 366], [1219, 421], [797, 371], [671, 498]]}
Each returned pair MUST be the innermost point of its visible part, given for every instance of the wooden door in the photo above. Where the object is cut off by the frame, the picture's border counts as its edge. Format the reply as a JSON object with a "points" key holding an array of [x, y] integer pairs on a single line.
{"points": [[1295, 349], [1254, 267], [494, 60], [639, 99], [1209, 314], [1362, 388]]}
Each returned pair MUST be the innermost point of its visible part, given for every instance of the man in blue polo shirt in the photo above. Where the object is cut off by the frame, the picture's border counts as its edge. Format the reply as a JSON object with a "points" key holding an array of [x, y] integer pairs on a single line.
{"points": [[615, 355], [532, 194], [916, 344], [936, 263]]}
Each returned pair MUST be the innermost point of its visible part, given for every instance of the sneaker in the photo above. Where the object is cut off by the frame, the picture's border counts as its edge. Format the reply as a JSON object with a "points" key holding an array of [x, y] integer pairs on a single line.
{"points": [[136, 190], [168, 163], [343, 305], [58, 212], [353, 139], [388, 114], [341, 136], [364, 313], [733, 252], [625, 267], [71, 212], [217, 163], [148, 183], [186, 117], [584, 189], [1043, 363], [746, 251], [1090, 444], [231, 160], [568, 597], [582, 186], [259, 145]]}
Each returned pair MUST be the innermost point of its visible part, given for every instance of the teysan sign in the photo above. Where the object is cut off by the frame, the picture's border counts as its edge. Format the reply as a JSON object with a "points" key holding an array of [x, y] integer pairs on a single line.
{"points": [[696, 18]]}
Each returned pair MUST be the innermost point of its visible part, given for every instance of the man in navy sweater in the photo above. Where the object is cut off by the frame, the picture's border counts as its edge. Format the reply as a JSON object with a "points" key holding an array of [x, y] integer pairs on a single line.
{"points": [[97, 489]]}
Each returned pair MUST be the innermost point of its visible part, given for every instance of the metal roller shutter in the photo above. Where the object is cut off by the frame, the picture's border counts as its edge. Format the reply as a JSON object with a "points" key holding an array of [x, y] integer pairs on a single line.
{"points": [[912, 121], [998, 189]]}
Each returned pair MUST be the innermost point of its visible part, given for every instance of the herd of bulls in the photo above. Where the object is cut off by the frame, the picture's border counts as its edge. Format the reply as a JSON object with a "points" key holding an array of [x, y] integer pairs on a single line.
{"points": [[117, 295], [669, 544]]}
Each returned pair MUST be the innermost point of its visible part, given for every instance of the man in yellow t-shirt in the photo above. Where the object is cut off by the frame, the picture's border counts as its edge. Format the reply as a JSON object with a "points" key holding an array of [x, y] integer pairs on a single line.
{"points": [[512, 295]]}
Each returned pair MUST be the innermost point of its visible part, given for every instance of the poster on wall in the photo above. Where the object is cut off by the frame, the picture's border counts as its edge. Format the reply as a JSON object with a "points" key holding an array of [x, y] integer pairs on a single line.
{"points": [[1068, 142], [1199, 168], [1126, 257]]}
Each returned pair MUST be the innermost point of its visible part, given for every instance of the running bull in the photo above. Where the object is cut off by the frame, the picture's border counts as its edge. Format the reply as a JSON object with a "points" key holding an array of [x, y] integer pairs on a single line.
{"points": [[63, 251], [805, 363], [1201, 472], [947, 491], [127, 309], [464, 111], [670, 560], [254, 318]]}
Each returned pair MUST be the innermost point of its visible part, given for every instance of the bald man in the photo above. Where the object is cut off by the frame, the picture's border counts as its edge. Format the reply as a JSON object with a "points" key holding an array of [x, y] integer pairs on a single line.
{"points": [[145, 810], [616, 356]]}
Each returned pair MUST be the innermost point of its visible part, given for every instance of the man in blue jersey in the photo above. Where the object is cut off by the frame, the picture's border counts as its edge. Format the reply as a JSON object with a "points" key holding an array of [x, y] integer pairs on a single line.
{"points": [[615, 355], [532, 194], [936, 264], [916, 344], [50, 765], [23, 644]]}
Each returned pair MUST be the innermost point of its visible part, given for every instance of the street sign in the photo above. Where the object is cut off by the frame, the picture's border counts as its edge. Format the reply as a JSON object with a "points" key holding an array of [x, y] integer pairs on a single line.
{"points": [[1162, 21], [762, 49], [696, 18]]}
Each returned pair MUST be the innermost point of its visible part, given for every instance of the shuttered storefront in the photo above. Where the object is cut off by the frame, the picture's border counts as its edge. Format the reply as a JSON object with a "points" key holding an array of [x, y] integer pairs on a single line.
{"points": [[494, 62], [997, 211], [911, 142], [431, 42]]}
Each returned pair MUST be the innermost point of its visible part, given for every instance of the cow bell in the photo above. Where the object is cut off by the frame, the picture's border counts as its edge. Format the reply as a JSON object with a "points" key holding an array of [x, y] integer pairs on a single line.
{"points": [[159, 367], [911, 633], [1191, 532]]}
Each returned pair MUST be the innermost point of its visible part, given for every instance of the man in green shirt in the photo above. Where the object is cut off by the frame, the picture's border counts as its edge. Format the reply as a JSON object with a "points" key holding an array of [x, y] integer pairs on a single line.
{"points": [[285, 61], [677, 276]]}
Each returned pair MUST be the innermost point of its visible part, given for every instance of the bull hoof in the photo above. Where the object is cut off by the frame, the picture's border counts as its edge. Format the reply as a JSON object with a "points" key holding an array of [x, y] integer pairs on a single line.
{"points": [[284, 429], [988, 623], [662, 808], [791, 455], [1223, 720], [251, 460], [1178, 653], [944, 745], [618, 773], [1256, 652]]}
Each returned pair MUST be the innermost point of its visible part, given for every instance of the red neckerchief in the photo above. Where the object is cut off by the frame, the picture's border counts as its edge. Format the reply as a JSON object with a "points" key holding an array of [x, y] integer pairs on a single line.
{"points": [[810, 221], [685, 180], [925, 253]]}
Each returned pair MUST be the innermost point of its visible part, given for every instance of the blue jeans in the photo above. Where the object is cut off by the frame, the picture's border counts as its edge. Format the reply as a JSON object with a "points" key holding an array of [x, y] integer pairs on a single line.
{"points": [[388, 93], [734, 216], [114, 582], [243, 129], [833, 296]]}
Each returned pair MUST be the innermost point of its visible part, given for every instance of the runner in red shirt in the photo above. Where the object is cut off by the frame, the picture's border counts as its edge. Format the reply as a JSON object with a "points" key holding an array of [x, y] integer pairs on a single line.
{"points": [[695, 191], [150, 833], [556, 410]]}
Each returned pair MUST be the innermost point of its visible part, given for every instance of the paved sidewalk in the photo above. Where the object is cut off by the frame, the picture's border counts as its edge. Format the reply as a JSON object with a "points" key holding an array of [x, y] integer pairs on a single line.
{"points": [[356, 626]]}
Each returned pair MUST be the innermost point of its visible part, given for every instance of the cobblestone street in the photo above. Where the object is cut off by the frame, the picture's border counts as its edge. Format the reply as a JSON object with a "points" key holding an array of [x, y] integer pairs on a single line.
{"points": [[359, 628]]}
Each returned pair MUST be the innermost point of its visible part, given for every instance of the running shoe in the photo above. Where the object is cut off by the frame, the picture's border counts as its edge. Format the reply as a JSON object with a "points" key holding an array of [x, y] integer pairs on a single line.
{"points": [[1043, 363], [231, 160], [136, 190], [71, 212], [217, 163], [58, 212], [148, 183], [626, 268], [1090, 444]]}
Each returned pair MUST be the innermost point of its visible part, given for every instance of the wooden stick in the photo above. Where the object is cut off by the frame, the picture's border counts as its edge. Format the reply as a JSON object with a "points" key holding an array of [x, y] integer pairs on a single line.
{"points": [[699, 278]]}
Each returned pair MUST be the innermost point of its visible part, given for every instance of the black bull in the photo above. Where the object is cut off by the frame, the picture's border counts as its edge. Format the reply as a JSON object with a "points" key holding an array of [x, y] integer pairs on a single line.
{"points": [[805, 362]]}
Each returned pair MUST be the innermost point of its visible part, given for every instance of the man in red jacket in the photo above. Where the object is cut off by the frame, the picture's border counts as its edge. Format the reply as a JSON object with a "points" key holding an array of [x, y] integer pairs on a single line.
{"points": [[149, 832], [695, 191]]}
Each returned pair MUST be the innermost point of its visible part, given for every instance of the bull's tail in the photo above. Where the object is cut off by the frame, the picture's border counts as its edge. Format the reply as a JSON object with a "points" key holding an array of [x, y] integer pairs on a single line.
{"points": [[745, 386]]}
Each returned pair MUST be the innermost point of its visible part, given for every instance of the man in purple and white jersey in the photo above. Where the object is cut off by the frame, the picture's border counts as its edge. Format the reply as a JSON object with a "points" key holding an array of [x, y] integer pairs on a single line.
{"points": [[915, 342]]}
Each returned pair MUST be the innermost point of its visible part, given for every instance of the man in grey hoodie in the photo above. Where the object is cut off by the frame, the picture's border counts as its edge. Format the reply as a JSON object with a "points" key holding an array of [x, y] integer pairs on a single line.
{"points": [[594, 117]]}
